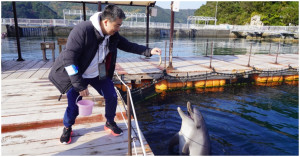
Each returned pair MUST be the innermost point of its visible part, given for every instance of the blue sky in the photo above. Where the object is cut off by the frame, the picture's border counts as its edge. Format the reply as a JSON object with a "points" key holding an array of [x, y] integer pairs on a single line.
{"points": [[182, 4]]}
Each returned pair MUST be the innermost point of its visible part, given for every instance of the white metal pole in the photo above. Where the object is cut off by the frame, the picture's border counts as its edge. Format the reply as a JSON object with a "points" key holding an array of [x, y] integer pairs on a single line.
{"points": [[216, 13]]}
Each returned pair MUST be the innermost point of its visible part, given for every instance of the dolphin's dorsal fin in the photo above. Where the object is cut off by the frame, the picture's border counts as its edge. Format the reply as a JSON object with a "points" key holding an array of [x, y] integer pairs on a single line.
{"points": [[185, 149]]}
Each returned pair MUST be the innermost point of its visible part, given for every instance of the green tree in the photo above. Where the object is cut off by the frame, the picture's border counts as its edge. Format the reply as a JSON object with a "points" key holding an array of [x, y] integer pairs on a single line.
{"points": [[34, 10], [279, 13]]}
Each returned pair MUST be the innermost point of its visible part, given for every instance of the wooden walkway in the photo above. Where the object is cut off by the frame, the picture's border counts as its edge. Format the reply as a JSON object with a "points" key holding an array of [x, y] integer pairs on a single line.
{"points": [[31, 116], [141, 68]]}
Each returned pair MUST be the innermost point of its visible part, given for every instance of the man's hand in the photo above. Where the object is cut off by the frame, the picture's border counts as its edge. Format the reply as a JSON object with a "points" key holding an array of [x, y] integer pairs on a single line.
{"points": [[156, 51], [84, 92]]}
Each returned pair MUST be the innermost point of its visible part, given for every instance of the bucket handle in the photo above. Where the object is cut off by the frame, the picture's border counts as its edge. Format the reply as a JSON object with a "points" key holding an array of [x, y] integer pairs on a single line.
{"points": [[79, 96]]}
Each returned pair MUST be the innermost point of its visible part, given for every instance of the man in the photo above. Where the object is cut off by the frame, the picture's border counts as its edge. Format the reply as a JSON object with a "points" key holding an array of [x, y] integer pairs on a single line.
{"points": [[90, 58]]}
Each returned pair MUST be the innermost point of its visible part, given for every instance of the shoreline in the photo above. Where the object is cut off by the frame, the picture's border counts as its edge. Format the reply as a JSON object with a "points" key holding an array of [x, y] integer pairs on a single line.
{"points": [[161, 32]]}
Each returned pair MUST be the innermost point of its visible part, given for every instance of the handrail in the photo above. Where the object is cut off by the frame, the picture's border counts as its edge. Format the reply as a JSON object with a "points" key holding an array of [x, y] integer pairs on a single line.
{"points": [[129, 115], [119, 95]]}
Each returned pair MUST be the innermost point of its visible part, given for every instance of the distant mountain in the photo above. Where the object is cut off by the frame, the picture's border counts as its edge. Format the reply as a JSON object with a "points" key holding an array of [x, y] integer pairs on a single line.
{"points": [[54, 10], [33, 10]]}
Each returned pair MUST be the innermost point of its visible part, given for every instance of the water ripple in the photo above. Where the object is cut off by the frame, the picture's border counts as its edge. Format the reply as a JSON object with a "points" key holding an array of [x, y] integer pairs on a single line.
{"points": [[249, 120]]}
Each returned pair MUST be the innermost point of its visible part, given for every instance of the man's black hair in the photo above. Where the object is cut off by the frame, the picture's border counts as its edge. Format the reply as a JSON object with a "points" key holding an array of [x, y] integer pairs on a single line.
{"points": [[112, 12]]}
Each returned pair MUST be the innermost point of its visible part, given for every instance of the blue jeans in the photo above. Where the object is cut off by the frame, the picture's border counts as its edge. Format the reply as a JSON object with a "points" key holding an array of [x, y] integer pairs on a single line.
{"points": [[103, 87]]}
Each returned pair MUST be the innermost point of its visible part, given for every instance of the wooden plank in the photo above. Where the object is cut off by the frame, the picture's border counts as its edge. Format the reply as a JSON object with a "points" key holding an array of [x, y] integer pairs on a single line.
{"points": [[265, 63], [257, 61], [40, 73], [289, 59], [11, 65], [197, 64], [127, 66], [23, 70], [46, 74], [7, 64], [137, 66], [32, 70], [14, 69], [88, 139]]}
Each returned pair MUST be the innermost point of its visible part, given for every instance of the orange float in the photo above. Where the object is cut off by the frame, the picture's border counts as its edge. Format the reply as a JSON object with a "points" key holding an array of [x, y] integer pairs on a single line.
{"points": [[163, 85], [199, 84], [209, 83], [291, 78], [122, 87]]}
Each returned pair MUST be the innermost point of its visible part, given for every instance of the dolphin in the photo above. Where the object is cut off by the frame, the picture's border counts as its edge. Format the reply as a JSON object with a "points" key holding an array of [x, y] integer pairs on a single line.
{"points": [[193, 137]]}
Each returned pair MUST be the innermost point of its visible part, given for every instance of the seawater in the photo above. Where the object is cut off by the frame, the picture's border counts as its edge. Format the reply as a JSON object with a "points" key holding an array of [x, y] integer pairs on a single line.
{"points": [[241, 120], [31, 48]]}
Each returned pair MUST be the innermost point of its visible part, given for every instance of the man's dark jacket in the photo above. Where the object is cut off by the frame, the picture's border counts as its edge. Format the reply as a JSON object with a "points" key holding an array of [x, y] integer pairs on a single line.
{"points": [[82, 45]]}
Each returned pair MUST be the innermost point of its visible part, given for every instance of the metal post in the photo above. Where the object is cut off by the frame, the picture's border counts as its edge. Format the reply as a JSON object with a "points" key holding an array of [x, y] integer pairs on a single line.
{"points": [[233, 47], [216, 13], [270, 49], [165, 54], [170, 67], [147, 28], [99, 6], [250, 55], [129, 123], [277, 53], [206, 47], [80, 14], [84, 13], [211, 54], [17, 32], [205, 80]]}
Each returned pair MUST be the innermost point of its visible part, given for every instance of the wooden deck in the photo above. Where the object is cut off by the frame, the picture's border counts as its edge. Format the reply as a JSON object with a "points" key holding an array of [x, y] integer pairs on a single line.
{"points": [[31, 116], [140, 68], [31, 120]]}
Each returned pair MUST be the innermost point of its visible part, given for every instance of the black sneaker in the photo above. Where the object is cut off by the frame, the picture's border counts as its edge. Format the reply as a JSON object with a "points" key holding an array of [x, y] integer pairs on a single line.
{"points": [[113, 129], [66, 136]]}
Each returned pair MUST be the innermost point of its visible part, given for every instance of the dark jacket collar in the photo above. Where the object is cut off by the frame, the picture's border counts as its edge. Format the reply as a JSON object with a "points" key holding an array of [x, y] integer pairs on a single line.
{"points": [[98, 36]]}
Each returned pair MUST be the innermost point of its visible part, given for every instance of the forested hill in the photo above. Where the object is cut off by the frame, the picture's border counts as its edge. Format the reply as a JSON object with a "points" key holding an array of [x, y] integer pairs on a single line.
{"points": [[279, 13], [34, 10], [54, 10]]}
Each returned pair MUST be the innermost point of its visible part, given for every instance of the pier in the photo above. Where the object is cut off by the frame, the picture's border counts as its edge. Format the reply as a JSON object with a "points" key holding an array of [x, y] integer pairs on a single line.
{"points": [[32, 116], [142, 69]]}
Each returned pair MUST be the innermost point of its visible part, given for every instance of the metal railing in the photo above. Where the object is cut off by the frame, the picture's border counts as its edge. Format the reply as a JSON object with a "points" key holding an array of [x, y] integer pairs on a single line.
{"points": [[40, 22], [135, 24], [130, 107]]}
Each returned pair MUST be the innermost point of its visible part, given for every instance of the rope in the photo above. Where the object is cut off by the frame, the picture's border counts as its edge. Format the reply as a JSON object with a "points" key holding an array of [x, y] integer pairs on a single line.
{"points": [[192, 139]]}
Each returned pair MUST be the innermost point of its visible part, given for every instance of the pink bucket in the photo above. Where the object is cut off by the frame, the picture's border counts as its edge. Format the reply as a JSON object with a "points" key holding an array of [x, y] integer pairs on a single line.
{"points": [[85, 107]]}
